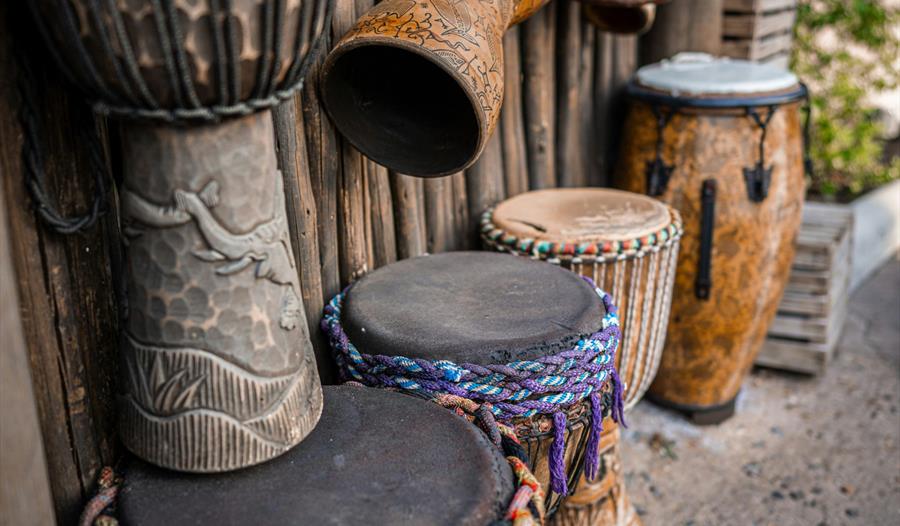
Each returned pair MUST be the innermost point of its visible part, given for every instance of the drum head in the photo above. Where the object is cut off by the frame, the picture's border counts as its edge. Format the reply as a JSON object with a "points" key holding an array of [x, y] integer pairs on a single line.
{"points": [[470, 307], [376, 457], [581, 215], [703, 74]]}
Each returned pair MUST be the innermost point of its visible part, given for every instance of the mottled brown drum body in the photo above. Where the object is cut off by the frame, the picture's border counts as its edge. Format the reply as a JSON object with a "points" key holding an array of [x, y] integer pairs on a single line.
{"points": [[711, 342]]}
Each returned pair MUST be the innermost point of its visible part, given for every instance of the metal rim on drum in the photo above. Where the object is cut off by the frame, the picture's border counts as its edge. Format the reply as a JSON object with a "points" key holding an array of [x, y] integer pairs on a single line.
{"points": [[660, 248]]}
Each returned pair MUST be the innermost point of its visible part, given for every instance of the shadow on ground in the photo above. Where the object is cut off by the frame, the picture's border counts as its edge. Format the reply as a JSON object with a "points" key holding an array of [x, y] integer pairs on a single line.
{"points": [[801, 450]]}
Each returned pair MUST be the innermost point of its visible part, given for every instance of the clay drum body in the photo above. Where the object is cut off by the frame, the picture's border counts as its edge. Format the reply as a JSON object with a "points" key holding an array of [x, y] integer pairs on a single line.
{"points": [[376, 457], [217, 367], [480, 308], [628, 244], [719, 140]]}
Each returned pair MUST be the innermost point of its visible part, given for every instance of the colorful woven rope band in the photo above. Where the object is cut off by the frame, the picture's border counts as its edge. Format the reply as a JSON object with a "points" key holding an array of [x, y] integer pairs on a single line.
{"points": [[502, 240], [522, 389]]}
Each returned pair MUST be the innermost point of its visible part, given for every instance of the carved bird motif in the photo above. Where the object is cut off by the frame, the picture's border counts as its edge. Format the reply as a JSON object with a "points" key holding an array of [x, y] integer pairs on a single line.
{"points": [[456, 17]]}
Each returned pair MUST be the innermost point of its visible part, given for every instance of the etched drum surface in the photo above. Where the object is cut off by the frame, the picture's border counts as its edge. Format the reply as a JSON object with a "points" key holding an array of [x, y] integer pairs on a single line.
{"points": [[627, 243], [218, 371], [731, 162], [376, 457]]}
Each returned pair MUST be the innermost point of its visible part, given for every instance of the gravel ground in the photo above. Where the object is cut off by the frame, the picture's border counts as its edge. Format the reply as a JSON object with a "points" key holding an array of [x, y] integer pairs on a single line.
{"points": [[801, 450]]}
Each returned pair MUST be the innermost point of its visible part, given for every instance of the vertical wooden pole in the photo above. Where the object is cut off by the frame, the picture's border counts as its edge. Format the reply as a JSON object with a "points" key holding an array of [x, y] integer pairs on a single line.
{"points": [[438, 214], [459, 201], [384, 240], [24, 485], [512, 128], [408, 215], [65, 283], [303, 225], [538, 91], [322, 148], [604, 92], [484, 184], [570, 170], [587, 140], [683, 25], [353, 249]]}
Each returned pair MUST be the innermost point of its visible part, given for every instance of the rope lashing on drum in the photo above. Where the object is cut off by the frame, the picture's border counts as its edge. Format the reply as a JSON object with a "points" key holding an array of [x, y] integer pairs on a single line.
{"points": [[521, 389], [105, 498], [132, 96], [528, 499]]}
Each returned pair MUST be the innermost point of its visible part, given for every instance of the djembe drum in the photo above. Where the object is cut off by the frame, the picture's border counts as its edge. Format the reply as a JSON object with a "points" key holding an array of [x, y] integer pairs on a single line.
{"points": [[217, 366], [533, 342], [719, 140], [376, 457], [628, 244]]}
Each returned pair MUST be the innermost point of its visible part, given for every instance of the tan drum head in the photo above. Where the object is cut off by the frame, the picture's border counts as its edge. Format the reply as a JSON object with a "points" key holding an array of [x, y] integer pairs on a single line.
{"points": [[581, 215]]}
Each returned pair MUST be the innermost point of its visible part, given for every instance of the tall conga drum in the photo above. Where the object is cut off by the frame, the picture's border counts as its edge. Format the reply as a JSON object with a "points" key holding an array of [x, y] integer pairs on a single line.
{"points": [[376, 457], [628, 244], [532, 342], [217, 367], [721, 141]]}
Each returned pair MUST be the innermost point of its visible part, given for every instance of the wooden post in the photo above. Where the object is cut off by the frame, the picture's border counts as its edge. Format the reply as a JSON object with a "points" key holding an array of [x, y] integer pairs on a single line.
{"points": [[409, 216], [384, 240], [512, 130], [303, 225], [65, 283], [570, 170], [683, 25], [538, 70], [484, 185]]}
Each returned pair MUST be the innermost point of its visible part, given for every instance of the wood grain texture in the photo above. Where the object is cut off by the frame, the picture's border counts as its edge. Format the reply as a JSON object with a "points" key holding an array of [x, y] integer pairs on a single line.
{"points": [[24, 484], [538, 70], [711, 344], [512, 130], [409, 215], [484, 185], [570, 168], [65, 285], [685, 25], [303, 224]]}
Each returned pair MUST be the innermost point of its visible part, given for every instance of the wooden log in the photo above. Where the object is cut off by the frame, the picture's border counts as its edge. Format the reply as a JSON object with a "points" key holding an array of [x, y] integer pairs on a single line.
{"points": [[462, 235], [588, 126], [409, 215], [538, 90], [352, 242], [24, 487], [604, 95], [512, 130], [570, 170], [685, 25], [439, 219], [65, 283], [381, 215], [484, 185], [324, 164], [303, 225]]}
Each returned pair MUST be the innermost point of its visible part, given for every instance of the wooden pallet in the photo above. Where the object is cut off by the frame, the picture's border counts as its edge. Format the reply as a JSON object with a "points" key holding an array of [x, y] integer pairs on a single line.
{"points": [[812, 311], [758, 30]]}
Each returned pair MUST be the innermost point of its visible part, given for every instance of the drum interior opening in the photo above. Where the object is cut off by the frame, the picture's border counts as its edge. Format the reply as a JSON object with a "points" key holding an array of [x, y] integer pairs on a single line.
{"points": [[402, 110]]}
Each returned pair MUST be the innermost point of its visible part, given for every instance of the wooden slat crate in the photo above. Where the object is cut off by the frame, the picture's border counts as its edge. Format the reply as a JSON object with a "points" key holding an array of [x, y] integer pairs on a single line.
{"points": [[808, 324], [758, 30]]}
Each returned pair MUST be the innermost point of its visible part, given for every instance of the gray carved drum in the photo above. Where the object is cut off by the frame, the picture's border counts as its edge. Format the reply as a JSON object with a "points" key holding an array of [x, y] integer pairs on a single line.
{"points": [[218, 371]]}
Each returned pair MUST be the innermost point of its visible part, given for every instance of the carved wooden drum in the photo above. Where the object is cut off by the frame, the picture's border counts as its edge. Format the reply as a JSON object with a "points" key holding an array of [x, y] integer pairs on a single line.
{"points": [[217, 366], [628, 244], [719, 140], [376, 457], [533, 341]]}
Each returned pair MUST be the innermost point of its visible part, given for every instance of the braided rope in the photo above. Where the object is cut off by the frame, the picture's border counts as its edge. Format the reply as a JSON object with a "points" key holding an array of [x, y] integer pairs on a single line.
{"points": [[520, 389]]}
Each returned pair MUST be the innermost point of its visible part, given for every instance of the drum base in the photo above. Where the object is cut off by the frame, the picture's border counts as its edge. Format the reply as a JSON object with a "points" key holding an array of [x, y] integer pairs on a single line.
{"points": [[698, 415]]}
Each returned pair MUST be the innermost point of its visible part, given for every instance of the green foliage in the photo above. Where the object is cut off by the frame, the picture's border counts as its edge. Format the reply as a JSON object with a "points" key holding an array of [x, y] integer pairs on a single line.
{"points": [[845, 50]]}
